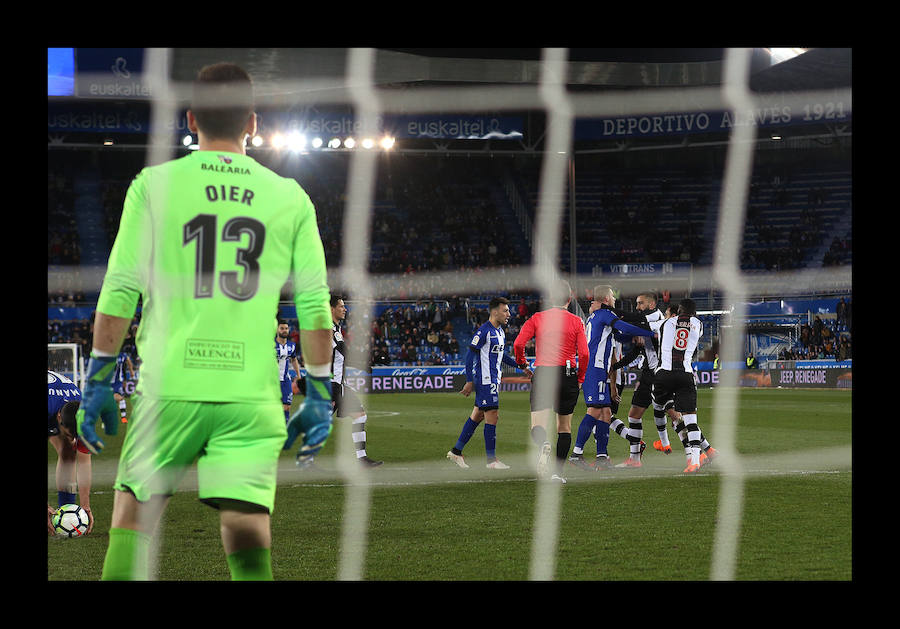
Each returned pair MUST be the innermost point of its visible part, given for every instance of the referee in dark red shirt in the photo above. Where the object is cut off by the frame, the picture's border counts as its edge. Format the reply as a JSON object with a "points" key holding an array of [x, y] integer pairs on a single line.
{"points": [[561, 362]]}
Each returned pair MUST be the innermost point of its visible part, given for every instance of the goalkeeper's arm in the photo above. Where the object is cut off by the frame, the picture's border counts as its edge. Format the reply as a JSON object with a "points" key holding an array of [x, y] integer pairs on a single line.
{"points": [[109, 333]]}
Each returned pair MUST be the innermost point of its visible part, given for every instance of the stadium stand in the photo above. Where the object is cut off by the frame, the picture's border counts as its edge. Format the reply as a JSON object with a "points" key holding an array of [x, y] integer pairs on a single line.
{"points": [[462, 216]]}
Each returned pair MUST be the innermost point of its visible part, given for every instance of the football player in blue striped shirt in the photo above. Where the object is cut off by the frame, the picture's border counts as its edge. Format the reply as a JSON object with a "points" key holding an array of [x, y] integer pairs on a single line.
{"points": [[73, 465], [599, 328], [483, 374], [286, 354]]}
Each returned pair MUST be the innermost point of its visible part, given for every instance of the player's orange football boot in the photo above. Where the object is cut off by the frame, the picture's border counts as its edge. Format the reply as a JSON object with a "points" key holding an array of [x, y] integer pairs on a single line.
{"points": [[634, 463], [692, 468], [708, 456], [658, 446]]}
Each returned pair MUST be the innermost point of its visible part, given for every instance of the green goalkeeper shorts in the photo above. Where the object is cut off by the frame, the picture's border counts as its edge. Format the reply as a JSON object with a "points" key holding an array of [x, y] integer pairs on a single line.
{"points": [[236, 447]]}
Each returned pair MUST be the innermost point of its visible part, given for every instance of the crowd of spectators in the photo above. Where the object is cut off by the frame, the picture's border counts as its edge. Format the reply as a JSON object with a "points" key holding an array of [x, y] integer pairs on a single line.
{"points": [[65, 290], [440, 215], [428, 216], [71, 331], [839, 253], [803, 235], [62, 230], [830, 338], [419, 334]]}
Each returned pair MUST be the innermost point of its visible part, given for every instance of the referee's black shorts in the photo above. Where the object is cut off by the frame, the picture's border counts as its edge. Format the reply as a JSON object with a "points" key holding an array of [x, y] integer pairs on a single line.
{"points": [[562, 396], [345, 400], [677, 385]]}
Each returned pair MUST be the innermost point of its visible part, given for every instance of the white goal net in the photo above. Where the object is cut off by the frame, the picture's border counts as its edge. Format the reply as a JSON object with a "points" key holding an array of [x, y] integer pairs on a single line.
{"points": [[357, 85]]}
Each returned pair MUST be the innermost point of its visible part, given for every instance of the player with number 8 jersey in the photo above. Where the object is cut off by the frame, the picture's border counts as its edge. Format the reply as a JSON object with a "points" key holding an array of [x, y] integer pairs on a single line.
{"points": [[679, 337]]}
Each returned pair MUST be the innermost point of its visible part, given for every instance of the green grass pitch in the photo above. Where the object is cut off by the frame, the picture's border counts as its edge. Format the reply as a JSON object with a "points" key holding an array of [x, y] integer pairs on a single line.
{"points": [[431, 521]]}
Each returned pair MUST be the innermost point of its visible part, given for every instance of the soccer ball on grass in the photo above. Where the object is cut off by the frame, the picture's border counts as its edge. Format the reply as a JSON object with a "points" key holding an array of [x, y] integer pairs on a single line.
{"points": [[70, 521]]}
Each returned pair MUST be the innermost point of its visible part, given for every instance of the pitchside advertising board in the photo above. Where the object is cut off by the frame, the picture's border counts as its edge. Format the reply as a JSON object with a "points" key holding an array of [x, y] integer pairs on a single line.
{"points": [[816, 374], [445, 379], [451, 378]]}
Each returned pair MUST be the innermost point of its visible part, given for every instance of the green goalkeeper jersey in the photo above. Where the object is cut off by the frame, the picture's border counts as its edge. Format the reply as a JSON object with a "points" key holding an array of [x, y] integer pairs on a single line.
{"points": [[208, 241]]}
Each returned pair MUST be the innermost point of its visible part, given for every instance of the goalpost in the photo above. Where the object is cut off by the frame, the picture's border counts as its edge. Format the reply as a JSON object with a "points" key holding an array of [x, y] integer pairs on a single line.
{"points": [[66, 359]]}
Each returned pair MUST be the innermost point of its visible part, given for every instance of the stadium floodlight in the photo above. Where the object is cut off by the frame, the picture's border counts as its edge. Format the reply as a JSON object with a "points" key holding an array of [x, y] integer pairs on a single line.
{"points": [[334, 143], [257, 140], [776, 136], [349, 143], [317, 143], [296, 141], [783, 54], [107, 142], [368, 143], [278, 141], [187, 140], [387, 143]]}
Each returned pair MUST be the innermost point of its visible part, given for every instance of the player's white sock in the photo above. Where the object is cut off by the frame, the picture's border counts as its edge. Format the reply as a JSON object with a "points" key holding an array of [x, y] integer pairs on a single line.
{"points": [[659, 417], [693, 435], [359, 436], [619, 427], [635, 434]]}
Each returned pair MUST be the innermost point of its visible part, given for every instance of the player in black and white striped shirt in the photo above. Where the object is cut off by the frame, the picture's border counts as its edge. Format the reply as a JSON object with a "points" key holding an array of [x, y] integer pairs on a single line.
{"points": [[345, 399], [643, 396], [679, 336]]}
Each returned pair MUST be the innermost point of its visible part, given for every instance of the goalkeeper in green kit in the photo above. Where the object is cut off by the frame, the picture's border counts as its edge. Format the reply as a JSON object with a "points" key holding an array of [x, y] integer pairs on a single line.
{"points": [[207, 242]]}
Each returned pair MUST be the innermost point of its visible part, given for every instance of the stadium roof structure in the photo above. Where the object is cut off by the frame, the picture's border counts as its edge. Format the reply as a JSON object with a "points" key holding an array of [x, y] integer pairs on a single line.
{"points": [[321, 73], [609, 68], [294, 81]]}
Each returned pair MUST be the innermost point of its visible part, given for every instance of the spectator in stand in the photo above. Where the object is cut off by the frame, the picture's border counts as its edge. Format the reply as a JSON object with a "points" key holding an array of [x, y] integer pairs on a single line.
{"points": [[841, 312], [523, 310]]}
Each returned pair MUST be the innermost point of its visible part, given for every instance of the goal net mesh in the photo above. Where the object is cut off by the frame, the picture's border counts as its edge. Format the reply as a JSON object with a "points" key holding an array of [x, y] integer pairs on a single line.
{"points": [[562, 107]]}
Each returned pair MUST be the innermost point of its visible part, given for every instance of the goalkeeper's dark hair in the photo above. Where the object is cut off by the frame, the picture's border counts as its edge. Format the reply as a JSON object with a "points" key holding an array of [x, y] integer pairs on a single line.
{"points": [[222, 100], [67, 416], [687, 306], [497, 302]]}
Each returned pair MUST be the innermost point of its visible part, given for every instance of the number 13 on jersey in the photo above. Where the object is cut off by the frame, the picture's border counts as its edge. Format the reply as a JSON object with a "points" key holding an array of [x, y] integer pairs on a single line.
{"points": [[203, 229]]}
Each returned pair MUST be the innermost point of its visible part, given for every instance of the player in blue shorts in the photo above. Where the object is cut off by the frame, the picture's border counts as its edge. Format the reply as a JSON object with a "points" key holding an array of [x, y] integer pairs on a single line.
{"points": [[286, 354], [483, 365], [73, 465], [600, 326]]}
